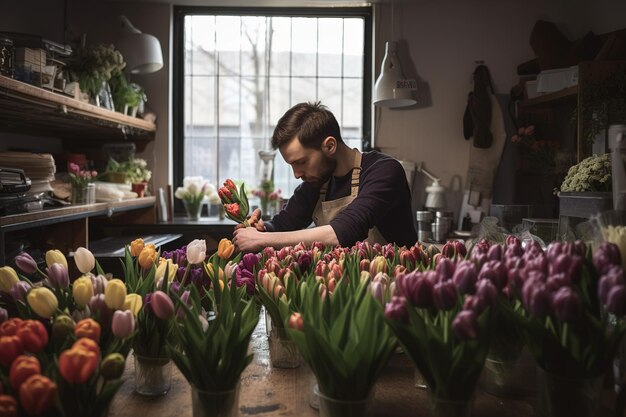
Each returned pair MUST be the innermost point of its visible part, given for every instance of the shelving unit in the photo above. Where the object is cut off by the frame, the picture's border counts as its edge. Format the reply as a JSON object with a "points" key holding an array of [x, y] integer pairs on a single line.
{"points": [[553, 98]]}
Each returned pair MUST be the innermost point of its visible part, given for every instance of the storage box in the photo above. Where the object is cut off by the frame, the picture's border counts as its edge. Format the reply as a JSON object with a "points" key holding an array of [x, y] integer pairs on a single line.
{"points": [[584, 205], [35, 59], [557, 79]]}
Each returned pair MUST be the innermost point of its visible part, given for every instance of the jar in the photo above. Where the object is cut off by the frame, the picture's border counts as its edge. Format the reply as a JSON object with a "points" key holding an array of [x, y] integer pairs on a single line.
{"points": [[7, 52], [424, 225]]}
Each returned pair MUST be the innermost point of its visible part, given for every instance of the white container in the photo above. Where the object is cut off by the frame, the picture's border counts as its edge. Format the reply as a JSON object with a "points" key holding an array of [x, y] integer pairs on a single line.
{"points": [[557, 79]]}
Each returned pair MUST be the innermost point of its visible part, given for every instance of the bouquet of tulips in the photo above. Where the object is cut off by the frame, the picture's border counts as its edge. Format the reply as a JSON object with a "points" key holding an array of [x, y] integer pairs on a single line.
{"points": [[235, 202]]}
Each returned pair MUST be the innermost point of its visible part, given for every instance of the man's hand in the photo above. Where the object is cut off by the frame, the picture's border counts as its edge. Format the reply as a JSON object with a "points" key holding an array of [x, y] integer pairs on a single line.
{"points": [[249, 239], [254, 220]]}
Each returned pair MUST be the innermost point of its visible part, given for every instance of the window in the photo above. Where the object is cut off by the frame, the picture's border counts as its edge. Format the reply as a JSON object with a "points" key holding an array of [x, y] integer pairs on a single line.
{"points": [[236, 71]]}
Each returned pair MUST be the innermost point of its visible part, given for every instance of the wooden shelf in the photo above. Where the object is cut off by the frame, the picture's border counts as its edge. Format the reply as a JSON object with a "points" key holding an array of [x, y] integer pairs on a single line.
{"points": [[25, 108], [64, 214], [556, 97]]}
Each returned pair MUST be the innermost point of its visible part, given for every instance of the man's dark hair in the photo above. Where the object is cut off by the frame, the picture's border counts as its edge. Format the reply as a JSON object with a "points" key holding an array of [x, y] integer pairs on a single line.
{"points": [[310, 122]]}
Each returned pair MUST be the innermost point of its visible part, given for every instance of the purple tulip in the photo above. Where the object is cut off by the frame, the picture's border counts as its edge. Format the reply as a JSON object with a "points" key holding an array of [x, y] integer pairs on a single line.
{"points": [[566, 304], [465, 325], [465, 278], [162, 305], [537, 262], [58, 276], [533, 249], [445, 269], [175, 286], [445, 295], [304, 261], [514, 249], [245, 277], [377, 288], [78, 314], [123, 324], [480, 248], [494, 253], [558, 281], [486, 292], [396, 309], [19, 290], [99, 308], [4, 315], [512, 240], [480, 259], [612, 277], [180, 273], [571, 265], [26, 263], [538, 299], [417, 288], [616, 300], [249, 261], [605, 256], [495, 272], [184, 298], [472, 302], [515, 279], [99, 283]]}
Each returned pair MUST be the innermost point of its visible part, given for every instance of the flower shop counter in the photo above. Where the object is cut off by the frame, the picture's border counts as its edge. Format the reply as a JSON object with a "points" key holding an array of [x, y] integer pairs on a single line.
{"points": [[267, 391]]}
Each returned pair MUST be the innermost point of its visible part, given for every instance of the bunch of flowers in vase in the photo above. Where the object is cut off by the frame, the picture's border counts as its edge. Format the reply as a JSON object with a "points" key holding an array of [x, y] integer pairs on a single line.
{"points": [[570, 306], [269, 198], [537, 154], [193, 193], [80, 180]]}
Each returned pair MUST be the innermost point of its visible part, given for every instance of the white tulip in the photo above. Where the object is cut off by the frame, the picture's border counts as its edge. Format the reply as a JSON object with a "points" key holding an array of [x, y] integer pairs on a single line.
{"points": [[85, 261], [196, 251]]}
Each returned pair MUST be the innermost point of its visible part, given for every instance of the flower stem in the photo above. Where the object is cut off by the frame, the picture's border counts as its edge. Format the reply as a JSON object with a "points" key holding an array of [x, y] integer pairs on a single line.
{"points": [[564, 335]]}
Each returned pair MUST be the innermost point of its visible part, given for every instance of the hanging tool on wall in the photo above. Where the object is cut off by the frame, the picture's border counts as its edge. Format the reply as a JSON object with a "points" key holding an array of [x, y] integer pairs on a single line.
{"points": [[477, 116]]}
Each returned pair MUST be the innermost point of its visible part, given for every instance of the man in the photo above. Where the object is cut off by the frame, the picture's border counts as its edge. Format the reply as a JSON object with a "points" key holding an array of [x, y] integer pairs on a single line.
{"points": [[349, 195]]}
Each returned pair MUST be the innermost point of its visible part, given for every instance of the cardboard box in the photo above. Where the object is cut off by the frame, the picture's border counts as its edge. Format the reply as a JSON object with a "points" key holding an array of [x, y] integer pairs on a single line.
{"points": [[35, 59]]}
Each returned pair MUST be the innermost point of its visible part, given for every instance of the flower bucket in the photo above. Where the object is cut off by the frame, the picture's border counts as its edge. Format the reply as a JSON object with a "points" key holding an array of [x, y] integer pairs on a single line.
{"points": [[283, 351], [193, 209], [215, 404], [567, 397], [80, 194], [153, 376], [449, 408], [510, 377], [333, 407]]}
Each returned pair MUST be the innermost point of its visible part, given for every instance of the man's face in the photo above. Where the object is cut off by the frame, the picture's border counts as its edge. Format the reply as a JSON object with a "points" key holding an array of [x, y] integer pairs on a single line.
{"points": [[310, 165]]}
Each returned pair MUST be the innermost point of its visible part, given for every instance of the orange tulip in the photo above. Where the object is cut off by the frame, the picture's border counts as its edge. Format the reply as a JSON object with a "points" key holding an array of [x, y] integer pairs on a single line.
{"points": [[33, 335], [77, 364], [22, 368], [225, 249], [9, 327], [85, 343], [8, 406], [10, 348], [37, 394], [147, 257], [88, 328], [136, 246]]}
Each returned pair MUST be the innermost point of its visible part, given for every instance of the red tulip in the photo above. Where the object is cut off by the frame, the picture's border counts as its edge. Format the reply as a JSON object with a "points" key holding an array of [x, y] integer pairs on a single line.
{"points": [[10, 348], [77, 364], [9, 327], [33, 335], [8, 406], [22, 368], [37, 394], [88, 328]]}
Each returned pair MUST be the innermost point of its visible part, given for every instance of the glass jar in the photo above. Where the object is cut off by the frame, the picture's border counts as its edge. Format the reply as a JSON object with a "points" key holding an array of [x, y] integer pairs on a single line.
{"points": [[7, 52]]}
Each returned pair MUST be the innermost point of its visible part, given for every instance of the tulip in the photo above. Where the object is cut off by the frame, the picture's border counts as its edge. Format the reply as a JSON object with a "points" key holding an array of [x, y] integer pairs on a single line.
{"points": [[606, 255], [196, 251], [115, 294], [10, 327], [162, 305], [472, 302], [136, 246], [58, 276], [495, 272], [465, 325], [613, 276], [147, 257], [84, 259], [396, 309], [37, 395], [62, 327], [82, 290], [8, 406], [225, 249], [55, 256], [88, 344], [112, 366], [378, 291], [417, 288], [123, 324], [99, 283], [19, 291], [4, 315], [296, 321], [486, 292], [33, 335], [229, 270], [566, 304], [445, 269], [378, 264], [616, 300], [133, 303], [249, 261], [171, 268], [465, 277], [88, 328], [26, 263], [233, 209], [22, 368], [445, 295], [538, 300], [454, 249], [10, 348], [42, 301], [8, 278], [304, 261], [184, 298], [77, 365]]}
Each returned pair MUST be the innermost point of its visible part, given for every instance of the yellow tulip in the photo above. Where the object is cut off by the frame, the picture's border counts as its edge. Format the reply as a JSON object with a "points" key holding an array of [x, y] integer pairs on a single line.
{"points": [[225, 249], [208, 268], [172, 268], [42, 301], [82, 290], [147, 257], [8, 278], [115, 294], [55, 256], [85, 262], [136, 246], [133, 303]]}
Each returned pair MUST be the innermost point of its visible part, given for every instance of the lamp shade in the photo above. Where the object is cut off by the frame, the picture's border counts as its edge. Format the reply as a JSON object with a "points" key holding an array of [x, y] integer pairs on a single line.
{"points": [[141, 51], [386, 90]]}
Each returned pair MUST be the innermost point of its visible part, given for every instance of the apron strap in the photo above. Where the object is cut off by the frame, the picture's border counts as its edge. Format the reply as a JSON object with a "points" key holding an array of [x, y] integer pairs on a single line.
{"points": [[355, 181]]}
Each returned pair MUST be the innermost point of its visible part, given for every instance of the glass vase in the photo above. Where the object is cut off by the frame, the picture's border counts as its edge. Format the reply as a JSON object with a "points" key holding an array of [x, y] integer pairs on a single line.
{"points": [[283, 351], [80, 194], [333, 407], [558, 396], [193, 209], [215, 404], [440, 407], [509, 378], [153, 376]]}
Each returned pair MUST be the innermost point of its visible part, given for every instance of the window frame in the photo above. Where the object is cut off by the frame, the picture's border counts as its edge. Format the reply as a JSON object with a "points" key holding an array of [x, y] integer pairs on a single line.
{"points": [[178, 67]]}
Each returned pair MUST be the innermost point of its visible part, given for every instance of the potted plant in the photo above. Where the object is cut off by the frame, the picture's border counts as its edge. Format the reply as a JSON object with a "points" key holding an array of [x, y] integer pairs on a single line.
{"points": [[128, 97]]}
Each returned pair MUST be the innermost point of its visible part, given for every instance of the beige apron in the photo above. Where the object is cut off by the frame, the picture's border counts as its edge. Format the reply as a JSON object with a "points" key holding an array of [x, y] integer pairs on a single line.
{"points": [[325, 211]]}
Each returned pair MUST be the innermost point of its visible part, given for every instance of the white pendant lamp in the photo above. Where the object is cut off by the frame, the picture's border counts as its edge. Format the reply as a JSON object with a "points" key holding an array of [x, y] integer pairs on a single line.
{"points": [[142, 52], [391, 88]]}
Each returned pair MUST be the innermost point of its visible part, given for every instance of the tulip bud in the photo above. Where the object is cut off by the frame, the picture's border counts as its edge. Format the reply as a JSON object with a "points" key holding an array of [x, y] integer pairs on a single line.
{"points": [[196, 251], [465, 277], [115, 294], [445, 295], [168, 266], [10, 327], [378, 291], [445, 269], [495, 272], [82, 291], [4, 315], [62, 327], [136, 246], [396, 309], [296, 321], [84, 259], [472, 302], [99, 283], [19, 291], [8, 406], [613, 276], [33, 335], [10, 348], [58, 276], [8, 278], [133, 303], [606, 255], [55, 256], [88, 328], [112, 366], [486, 292], [184, 298], [538, 299], [494, 253], [37, 395], [123, 324], [162, 305], [88, 344], [225, 249], [77, 365], [22, 368], [465, 325], [616, 300], [26, 263], [42, 301], [566, 304]]}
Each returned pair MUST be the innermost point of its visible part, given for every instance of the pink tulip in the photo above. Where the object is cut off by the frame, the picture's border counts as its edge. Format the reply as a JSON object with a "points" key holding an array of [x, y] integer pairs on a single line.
{"points": [[162, 305], [123, 324]]}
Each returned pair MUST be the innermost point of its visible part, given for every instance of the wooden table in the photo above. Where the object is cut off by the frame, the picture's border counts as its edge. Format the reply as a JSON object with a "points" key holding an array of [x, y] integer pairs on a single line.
{"points": [[267, 391]]}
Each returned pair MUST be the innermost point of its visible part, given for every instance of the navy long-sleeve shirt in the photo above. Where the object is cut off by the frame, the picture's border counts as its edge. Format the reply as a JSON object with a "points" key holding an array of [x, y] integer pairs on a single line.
{"points": [[384, 201]]}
